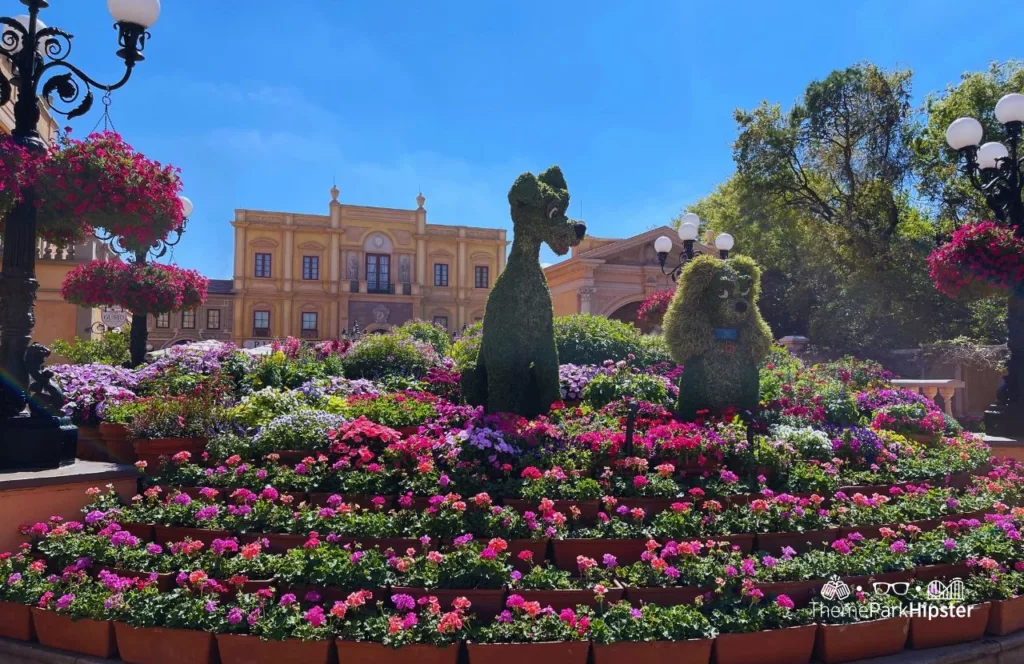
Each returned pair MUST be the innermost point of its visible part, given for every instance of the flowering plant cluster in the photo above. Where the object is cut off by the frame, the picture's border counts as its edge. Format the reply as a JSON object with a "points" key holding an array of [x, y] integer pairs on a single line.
{"points": [[982, 259], [653, 308], [142, 288]]}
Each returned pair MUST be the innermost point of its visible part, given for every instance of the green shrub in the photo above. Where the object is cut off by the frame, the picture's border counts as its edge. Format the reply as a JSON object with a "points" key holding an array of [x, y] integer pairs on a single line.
{"points": [[394, 409], [589, 339], [377, 356], [427, 332], [622, 384], [304, 431], [111, 348], [467, 347]]}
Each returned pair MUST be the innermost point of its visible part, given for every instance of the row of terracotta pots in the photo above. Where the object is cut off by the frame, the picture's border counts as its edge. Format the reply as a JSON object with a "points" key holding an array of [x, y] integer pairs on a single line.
{"points": [[831, 644], [111, 442]]}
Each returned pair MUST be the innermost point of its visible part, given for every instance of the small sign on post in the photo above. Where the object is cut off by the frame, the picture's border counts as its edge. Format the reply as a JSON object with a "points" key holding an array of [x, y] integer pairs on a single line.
{"points": [[113, 317]]}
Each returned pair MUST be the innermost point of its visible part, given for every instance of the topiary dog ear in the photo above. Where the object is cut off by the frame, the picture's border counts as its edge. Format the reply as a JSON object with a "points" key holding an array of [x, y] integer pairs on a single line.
{"points": [[553, 178], [746, 266], [525, 190], [697, 277]]}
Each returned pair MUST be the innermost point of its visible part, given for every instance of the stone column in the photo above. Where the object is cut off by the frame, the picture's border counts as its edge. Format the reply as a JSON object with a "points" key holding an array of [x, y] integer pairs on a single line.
{"points": [[586, 294]]}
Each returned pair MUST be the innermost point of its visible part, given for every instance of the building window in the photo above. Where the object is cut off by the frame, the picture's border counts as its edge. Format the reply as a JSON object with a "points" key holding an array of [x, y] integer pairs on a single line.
{"points": [[441, 321], [483, 277], [213, 319], [311, 268], [263, 266], [309, 324], [163, 320], [440, 274], [188, 320], [378, 273], [261, 323]]}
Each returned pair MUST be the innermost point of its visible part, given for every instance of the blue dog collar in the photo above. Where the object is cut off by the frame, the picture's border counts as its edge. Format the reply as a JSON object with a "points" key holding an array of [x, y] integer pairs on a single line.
{"points": [[726, 333]]}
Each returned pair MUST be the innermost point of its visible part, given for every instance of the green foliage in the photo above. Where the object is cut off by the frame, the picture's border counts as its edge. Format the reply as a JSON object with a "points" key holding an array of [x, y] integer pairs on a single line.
{"points": [[258, 408], [517, 366], [110, 348], [290, 370], [717, 295], [589, 339], [394, 409], [427, 332], [378, 355], [624, 383]]}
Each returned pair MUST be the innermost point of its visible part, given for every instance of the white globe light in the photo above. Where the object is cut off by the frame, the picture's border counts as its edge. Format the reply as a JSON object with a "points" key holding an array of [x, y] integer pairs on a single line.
{"points": [[964, 133], [1010, 108], [186, 206], [690, 218], [687, 232], [139, 12], [663, 245], [725, 242], [23, 19], [990, 153]]}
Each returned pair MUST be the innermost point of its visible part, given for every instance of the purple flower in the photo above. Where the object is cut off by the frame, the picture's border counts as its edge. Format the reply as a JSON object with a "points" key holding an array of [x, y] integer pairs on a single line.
{"points": [[609, 560], [65, 601], [13, 578], [636, 614], [235, 616], [287, 599], [210, 606], [899, 546], [207, 513], [403, 602]]}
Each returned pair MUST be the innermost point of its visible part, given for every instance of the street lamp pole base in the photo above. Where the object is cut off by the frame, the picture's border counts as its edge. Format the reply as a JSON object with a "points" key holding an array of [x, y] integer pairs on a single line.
{"points": [[36, 443], [1005, 421]]}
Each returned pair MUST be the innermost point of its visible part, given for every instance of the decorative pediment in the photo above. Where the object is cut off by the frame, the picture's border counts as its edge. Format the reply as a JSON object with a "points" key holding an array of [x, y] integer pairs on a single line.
{"points": [[482, 257], [263, 242], [312, 246]]}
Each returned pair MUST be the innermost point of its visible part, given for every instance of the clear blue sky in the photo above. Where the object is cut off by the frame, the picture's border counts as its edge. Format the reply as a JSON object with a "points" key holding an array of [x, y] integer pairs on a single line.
{"points": [[263, 102]]}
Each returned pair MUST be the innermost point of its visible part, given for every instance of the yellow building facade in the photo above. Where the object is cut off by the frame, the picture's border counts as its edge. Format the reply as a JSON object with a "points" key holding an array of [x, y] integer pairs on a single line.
{"points": [[357, 267]]}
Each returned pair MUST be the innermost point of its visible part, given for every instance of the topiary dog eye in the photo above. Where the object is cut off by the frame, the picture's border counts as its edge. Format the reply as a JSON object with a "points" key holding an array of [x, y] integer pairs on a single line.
{"points": [[745, 291], [724, 294]]}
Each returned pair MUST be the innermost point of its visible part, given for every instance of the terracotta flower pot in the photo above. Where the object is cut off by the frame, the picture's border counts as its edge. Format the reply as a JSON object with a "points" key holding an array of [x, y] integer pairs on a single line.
{"points": [[869, 532], [16, 622], [151, 450], [397, 544], [568, 599], [144, 531], [158, 645], [330, 594], [279, 542], [777, 646], [166, 534], [946, 631], [485, 602], [240, 649], [808, 540], [538, 547], [588, 508], [650, 506], [565, 551], [944, 571], [665, 596], [117, 447], [1005, 617], [863, 640], [744, 542], [90, 443], [351, 652], [558, 652], [85, 636], [293, 456], [694, 651]]}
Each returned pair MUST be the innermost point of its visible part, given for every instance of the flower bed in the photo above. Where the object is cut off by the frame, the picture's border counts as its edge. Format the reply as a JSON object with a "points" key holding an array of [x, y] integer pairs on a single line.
{"points": [[382, 518]]}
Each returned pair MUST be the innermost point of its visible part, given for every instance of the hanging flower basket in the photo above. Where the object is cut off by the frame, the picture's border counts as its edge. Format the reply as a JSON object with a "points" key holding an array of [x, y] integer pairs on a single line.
{"points": [[982, 259], [653, 308], [100, 183], [149, 288]]}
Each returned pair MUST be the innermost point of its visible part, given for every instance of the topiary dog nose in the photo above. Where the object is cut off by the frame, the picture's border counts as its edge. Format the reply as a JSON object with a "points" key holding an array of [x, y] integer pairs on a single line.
{"points": [[581, 230], [741, 307]]}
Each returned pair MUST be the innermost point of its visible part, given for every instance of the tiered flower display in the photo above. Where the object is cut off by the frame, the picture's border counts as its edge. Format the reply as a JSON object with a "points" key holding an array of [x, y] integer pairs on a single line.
{"points": [[379, 520], [99, 183], [982, 259]]}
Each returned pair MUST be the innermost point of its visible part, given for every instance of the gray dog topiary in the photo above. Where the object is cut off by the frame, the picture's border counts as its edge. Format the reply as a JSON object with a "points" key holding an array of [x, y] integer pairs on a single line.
{"points": [[715, 330], [517, 367]]}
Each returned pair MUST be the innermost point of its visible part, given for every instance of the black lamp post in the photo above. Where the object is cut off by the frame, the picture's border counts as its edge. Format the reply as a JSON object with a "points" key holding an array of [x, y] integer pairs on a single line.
{"points": [[688, 231], [997, 171], [37, 55]]}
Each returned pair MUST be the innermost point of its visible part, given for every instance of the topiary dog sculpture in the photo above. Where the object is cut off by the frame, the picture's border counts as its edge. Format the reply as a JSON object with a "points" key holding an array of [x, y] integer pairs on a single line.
{"points": [[714, 329], [517, 368]]}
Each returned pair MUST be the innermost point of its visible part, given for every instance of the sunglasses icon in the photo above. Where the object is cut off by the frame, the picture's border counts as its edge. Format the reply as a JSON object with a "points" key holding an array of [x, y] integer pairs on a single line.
{"points": [[897, 588]]}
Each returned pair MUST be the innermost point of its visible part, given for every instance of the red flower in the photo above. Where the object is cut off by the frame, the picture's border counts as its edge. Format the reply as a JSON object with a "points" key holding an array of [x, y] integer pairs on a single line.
{"points": [[982, 259], [145, 288]]}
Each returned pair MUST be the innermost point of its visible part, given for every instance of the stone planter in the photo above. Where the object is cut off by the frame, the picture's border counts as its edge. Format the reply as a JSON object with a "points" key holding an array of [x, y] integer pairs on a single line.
{"points": [[947, 631], [694, 651], [241, 649], [777, 646], [561, 652], [151, 450]]}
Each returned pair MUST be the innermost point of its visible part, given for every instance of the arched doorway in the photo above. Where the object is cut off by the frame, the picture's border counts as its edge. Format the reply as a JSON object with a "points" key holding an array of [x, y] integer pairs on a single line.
{"points": [[628, 314]]}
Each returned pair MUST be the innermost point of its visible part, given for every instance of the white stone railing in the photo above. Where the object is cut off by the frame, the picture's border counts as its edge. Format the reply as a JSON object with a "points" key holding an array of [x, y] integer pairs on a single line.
{"points": [[933, 388]]}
